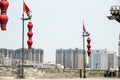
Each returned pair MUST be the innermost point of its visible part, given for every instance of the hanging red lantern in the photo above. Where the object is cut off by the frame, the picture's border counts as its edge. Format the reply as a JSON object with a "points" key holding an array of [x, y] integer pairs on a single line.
{"points": [[29, 42], [4, 6], [89, 52], [30, 25], [88, 46], [30, 34], [88, 40], [0, 18], [3, 21]]}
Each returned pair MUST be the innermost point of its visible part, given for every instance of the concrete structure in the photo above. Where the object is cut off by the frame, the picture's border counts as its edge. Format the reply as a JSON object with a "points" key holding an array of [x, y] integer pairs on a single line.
{"points": [[112, 60], [103, 60], [70, 58], [78, 59], [37, 55], [34, 56], [98, 59], [6, 57], [11, 57]]}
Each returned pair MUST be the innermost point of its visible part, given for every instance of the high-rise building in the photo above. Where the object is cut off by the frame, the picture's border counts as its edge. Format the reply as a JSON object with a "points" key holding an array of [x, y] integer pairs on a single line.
{"points": [[103, 60], [98, 59], [6, 57], [9, 57], [37, 55], [112, 60], [70, 58], [78, 59], [32, 56]]}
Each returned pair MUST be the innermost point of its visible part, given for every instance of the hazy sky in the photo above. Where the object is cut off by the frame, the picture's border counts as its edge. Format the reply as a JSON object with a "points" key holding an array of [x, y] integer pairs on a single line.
{"points": [[58, 24]]}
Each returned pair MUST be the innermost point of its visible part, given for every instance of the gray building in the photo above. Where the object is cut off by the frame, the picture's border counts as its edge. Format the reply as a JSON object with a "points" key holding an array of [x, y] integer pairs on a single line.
{"points": [[30, 56], [70, 58], [9, 57], [112, 60], [103, 60], [6, 57], [98, 59], [37, 55]]}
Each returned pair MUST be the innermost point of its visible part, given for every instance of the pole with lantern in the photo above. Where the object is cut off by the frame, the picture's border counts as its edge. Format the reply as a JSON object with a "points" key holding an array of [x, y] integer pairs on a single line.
{"points": [[29, 42], [85, 34]]}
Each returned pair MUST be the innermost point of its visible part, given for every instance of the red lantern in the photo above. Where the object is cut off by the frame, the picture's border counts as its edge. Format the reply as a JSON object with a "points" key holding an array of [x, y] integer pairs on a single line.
{"points": [[3, 21], [4, 6], [88, 46], [30, 25], [88, 40], [29, 42], [89, 52], [30, 34]]}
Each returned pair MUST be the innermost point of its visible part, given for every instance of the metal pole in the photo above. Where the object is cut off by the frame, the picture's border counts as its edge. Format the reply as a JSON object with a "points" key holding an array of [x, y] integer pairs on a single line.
{"points": [[22, 71], [84, 55], [22, 76]]}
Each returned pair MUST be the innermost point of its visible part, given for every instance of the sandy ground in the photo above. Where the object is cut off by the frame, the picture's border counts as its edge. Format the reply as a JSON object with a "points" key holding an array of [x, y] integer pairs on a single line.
{"points": [[32, 78]]}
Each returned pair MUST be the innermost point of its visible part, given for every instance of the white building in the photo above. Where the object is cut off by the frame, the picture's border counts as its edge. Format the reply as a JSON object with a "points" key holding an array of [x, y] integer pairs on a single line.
{"points": [[112, 60], [98, 59]]}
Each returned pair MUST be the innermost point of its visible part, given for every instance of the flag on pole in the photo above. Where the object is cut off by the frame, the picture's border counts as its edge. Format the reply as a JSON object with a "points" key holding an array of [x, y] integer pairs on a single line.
{"points": [[84, 30], [26, 8]]}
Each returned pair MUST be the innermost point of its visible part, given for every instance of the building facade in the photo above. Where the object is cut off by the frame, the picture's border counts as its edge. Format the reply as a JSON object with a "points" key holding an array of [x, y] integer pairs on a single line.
{"points": [[9, 57], [6, 57], [112, 60], [70, 58], [98, 60], [103, 60]]}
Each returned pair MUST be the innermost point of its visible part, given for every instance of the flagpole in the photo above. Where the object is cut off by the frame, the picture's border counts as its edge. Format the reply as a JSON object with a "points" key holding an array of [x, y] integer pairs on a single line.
{"points": [[85, 34], [22, 68], [22, 45], [84, 55]]}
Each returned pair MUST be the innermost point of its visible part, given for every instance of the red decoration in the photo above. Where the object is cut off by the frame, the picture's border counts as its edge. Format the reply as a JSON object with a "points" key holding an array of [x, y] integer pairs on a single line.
{"points": [[29, 42], [30, 25], [30, 34], [26, 8], [88, 46], [89, 52], [88, 40], [3, 21], [4, 6], [3, 17]]}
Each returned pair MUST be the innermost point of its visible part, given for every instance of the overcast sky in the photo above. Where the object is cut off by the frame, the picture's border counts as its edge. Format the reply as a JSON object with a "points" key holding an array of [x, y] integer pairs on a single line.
{"points": [[58, 24]]}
